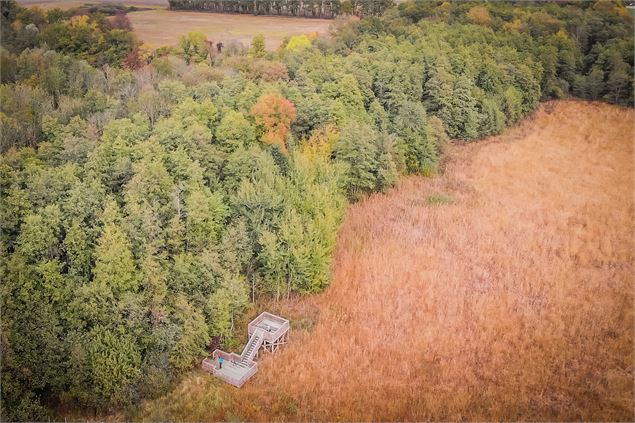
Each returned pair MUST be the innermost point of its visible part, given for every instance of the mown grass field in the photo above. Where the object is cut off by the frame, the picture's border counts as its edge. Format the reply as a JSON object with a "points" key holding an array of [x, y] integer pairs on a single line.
{"points": [[501, 290]]}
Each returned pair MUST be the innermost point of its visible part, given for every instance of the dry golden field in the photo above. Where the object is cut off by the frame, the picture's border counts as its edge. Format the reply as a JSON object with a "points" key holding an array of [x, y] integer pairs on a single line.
{"points": [[502, 289], [165, 27]]}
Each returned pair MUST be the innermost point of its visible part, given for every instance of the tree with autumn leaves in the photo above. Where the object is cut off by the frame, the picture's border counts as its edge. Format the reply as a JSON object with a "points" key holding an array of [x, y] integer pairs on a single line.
{"points": [[274, 114]]}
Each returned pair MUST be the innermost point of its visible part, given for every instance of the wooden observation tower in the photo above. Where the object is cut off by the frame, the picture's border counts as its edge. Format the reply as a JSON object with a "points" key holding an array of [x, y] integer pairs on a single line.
{"points": [[267, 331]]}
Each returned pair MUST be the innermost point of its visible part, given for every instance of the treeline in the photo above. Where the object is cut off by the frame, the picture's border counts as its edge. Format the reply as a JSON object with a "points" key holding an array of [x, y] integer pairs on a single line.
{"points": [[325, 9], [144, 207]]}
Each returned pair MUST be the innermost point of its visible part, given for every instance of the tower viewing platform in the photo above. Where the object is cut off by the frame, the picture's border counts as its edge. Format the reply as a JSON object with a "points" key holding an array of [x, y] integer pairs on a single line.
{"points": [[266, 331]]}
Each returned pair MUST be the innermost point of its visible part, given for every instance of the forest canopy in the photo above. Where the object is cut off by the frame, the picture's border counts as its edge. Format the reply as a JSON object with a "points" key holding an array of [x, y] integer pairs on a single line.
{"points": [[149, 196]]}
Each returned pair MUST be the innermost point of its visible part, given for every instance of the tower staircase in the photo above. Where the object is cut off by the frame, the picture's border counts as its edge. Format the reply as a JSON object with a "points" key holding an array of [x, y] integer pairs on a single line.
{"points": [[252, 347]]}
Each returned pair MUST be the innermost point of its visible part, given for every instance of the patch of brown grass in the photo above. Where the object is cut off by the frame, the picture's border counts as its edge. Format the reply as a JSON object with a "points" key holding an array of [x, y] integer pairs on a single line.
{"points": [[512, 301]]}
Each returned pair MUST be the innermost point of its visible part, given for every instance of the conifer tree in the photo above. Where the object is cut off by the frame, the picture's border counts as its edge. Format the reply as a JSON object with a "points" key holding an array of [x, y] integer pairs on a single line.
{"points": [[258, 46], [357, 149], [411, 124], [78, 251], [114, 263], [192, 335], [462, 115], [106, 365], [205, 213]]}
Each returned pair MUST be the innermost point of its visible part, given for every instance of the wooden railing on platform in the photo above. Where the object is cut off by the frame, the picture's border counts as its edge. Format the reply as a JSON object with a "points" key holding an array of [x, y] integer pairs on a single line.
{"points": [[269, 336], [209, 365]]}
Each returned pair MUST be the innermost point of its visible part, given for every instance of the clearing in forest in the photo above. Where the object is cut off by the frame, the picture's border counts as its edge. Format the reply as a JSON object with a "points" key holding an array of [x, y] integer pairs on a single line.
{"points": [[165, 27], [502, 289]]}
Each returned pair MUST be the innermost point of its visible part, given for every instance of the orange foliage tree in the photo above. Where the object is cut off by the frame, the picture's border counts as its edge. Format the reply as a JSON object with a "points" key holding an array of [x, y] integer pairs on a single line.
{"points": [[479, 15], [275, 113]]}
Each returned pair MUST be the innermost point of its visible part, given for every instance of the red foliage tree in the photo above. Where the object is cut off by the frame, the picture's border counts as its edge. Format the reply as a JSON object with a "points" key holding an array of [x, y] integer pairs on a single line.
{"points": [[133, 60], [273, 71], [275, 114]]}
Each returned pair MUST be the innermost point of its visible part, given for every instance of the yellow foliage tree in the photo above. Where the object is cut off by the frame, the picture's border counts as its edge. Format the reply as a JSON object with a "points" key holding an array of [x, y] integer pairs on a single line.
{"points": [[320, 143], [298, 42]]}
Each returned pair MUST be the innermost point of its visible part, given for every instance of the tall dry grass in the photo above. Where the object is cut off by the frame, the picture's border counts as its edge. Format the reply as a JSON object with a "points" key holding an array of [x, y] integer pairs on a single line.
{"points": [[502, 289]]}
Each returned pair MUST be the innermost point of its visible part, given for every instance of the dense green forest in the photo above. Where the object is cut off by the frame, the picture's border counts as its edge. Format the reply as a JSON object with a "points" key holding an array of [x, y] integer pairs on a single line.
{"points": [[149, 196]]}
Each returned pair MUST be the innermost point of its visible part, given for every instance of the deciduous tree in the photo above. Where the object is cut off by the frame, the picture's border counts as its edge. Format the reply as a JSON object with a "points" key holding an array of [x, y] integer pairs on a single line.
{"points": [[275, 114]]}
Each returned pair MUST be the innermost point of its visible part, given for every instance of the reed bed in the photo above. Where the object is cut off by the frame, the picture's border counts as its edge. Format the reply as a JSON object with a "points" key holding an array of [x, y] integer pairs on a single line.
{"points": [[511, 299]]}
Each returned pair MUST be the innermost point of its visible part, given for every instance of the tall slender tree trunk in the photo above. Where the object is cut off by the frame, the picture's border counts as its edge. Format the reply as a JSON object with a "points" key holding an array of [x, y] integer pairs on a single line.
{"points": [[253, 288], [288, 286]]}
